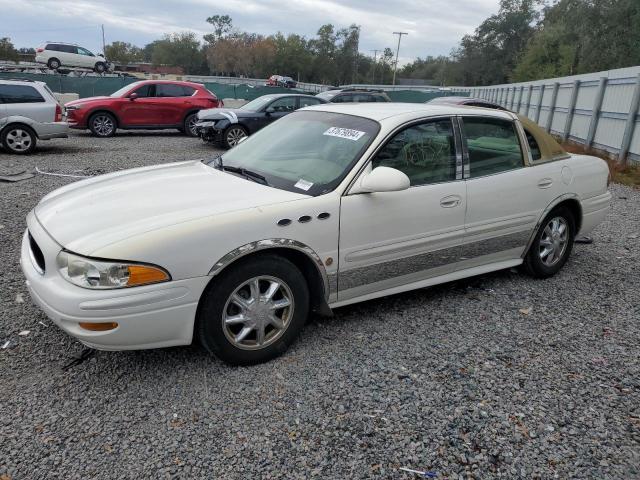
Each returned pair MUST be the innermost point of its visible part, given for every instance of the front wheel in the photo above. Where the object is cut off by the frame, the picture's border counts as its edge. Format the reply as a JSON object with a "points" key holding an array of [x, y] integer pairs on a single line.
{"points": [[102, 124], [19, 139], [233, 134], [552, 244], [253, 312], [99, 67]]}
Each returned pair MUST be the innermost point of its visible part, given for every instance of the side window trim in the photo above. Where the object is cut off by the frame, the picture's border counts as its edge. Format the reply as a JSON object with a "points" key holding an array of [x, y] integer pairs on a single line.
{"points": [[524, 151]]}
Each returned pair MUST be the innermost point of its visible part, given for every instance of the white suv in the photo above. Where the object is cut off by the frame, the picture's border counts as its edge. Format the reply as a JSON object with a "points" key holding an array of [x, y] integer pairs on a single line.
{"points": [[57, 54], [28, 112]]}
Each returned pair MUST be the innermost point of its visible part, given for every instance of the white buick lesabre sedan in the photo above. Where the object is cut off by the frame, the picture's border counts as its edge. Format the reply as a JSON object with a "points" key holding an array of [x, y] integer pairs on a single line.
{"points": [[331, 205]]}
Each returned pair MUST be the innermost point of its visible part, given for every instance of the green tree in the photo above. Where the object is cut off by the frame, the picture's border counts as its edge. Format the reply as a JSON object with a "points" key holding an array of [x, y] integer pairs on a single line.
{"points": [[222, 26], [123, 52], [179, 49], [7, 50]]}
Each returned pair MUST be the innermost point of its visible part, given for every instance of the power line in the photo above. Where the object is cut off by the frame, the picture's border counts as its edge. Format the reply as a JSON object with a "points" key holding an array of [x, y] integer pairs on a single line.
{"points": [[395, 67]]}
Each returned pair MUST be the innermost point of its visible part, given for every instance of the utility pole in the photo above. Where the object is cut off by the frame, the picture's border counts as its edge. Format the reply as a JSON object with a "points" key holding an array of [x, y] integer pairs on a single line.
{"points": [[103, 42], [395, 67], [373, 75]]}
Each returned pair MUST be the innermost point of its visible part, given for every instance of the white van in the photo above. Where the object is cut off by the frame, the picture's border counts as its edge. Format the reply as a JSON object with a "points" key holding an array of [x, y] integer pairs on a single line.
{"points": [[58, 54]]}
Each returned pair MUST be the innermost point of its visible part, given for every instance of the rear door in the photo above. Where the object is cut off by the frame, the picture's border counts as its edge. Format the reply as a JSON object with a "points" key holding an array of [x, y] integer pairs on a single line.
{"points": [[505, 196], [392, 239], [172, 103], [69, 56]]}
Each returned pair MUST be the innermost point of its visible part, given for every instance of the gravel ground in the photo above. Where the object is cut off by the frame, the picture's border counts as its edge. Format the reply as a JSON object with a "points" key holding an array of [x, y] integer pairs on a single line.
{"points": [[455, 379]]}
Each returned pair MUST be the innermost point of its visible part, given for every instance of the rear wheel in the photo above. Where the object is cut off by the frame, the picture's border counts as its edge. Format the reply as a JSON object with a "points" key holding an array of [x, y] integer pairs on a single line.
{"points": [[53, 64], [552, 244], [102, 124], [189, 125], [19, 139], [233, 134], [253, 312]]}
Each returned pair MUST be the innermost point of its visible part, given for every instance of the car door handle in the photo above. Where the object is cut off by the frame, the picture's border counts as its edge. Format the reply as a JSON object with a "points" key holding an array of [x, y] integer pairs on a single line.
{"points": [[450, 201], [545, 183]]}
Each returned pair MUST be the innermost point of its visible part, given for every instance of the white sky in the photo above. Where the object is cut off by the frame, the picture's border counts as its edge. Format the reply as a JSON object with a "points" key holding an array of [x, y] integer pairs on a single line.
{"points": [[434, 26]]}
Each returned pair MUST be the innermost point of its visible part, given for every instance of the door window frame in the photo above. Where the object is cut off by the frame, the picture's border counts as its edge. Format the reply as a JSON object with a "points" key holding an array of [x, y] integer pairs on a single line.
{"points": [[391, 135], [520, 135]]}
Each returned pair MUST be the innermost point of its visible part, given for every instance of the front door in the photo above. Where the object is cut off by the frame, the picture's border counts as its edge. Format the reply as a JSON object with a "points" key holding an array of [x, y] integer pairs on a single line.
{"points": [[144, 110], [277, 109], [505, 198], [396, 238]]}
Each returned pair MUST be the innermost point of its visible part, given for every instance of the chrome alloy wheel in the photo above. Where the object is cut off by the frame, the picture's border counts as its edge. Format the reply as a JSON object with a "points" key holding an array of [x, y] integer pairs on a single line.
{"points": [[191, 125], [103, 125], [18, 140], [553, 241], [257, 313], [234, 135]]}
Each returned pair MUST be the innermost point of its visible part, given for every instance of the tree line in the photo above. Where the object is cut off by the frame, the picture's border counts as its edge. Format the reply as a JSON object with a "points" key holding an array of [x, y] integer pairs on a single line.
{"points": [[525, 40]]}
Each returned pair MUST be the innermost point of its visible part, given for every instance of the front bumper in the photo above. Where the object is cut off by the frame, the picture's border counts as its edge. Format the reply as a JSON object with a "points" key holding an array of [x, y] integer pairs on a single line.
{"points": [[207, 131], [47, 131], [151, 316]]}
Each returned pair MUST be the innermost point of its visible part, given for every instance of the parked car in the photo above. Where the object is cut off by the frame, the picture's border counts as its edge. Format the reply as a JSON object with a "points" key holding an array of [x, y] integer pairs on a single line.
{"points": [[148, 104], [29, 112], [358, 95], [273, 81], [331, 205], [227, 127], [468, 101], [288, 82], [59, 54]]}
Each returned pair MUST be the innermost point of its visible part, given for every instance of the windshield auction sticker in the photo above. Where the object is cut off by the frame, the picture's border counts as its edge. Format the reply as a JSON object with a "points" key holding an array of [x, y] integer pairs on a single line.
{"points": [[303, 185], [344, 133]]}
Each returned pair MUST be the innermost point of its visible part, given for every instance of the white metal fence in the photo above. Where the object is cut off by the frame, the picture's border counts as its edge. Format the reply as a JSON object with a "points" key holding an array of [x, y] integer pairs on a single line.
{"points": [[598, 110]]}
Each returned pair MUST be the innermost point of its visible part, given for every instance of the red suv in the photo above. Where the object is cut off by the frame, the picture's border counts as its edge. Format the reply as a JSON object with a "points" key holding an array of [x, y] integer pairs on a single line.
{"points": [[149, 104]]}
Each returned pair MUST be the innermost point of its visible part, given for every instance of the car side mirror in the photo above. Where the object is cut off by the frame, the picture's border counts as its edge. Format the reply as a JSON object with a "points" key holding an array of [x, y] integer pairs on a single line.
{"points": [[382, 179], [270, 110], [133, 96]]}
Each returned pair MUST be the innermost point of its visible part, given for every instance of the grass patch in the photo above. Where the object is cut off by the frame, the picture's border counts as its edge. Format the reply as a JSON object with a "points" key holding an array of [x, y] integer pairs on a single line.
{"points": [[624, 174]]}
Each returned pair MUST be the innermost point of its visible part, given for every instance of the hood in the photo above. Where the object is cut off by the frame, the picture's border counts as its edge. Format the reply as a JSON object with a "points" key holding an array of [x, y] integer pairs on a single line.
{"points": [[85, 100], [88, 215], [231, 114]]}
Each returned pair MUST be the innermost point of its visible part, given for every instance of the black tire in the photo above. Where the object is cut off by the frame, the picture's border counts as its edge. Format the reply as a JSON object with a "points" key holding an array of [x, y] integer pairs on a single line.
{"points": [[216, 305], [18, 139], [53, 64], [103, 124], [534, 264], [99, 67], [231, 133], [188, 126]]}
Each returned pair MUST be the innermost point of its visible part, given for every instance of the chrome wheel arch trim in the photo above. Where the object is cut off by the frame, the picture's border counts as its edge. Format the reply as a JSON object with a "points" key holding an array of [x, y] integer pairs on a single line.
{"points": [[271, 243], [545, 212]]}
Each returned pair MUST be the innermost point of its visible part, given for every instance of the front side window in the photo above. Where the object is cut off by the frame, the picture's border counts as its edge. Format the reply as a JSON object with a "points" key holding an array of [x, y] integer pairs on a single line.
{"points": [[169, 90], [285, 104], [19, 94], [307, 152], [426, 153], [363, 98], [148, 90], [493, 146], [84, 51], [257, 104]]}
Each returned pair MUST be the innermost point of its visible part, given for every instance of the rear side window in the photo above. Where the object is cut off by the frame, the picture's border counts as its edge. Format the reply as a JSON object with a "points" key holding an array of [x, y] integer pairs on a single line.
{"points": [[187, 91], [19, 94], [169, 90], [363, 98], [379, 97], [305, 102], [343, 98], [53, 47], [536, 154], [493, 146]]}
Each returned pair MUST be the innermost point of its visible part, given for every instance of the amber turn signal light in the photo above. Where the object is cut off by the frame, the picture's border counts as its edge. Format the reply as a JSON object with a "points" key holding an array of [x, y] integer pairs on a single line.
{"points": [[99, 327], [143, 275]]}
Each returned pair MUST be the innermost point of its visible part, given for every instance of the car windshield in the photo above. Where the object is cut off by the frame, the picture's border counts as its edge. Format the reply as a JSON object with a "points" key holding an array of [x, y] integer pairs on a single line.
{"points": [[305, 152], [328, 95], [257, 104], [125, 89]]}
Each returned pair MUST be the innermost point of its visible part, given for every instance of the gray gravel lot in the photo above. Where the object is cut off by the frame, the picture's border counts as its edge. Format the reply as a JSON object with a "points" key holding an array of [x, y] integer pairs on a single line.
{"points": [[454, 379]]}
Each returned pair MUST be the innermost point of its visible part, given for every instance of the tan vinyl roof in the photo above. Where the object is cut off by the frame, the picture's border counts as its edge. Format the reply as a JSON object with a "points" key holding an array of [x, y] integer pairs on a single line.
{"points": [[550, 149]]}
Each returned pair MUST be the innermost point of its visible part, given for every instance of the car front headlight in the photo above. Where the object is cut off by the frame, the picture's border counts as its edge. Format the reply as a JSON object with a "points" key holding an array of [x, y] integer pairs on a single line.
{"points": [[103, 274]]}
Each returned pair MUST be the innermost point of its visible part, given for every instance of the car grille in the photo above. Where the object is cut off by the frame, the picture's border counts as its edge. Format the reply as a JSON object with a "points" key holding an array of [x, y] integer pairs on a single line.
{"points": [[37, 258]]}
